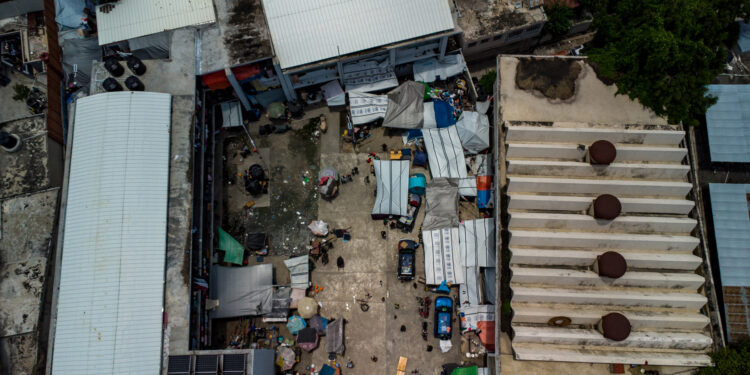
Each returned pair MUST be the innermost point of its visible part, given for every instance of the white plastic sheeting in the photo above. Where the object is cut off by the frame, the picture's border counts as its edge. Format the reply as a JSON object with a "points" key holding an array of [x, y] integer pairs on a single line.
{"points": [[134, 18], [429, 121], [474, 130], [476, 240], [429, 70], [369, 75], [299, 271], [445, 153], [467, 187], [110, 299], [442, 258], [367, 107], [306, 31], [393, 187]]}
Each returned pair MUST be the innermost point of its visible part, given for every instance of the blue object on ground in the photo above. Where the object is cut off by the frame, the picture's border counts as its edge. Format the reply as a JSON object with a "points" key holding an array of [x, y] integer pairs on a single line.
{"points": [[443, 287], [417, 184], [327, 370], [443, 114], [420, 159]]}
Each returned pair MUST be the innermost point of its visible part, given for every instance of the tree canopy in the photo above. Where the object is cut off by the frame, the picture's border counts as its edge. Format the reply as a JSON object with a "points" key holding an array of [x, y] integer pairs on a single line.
{"points": [[664, 52], [558, 18]]}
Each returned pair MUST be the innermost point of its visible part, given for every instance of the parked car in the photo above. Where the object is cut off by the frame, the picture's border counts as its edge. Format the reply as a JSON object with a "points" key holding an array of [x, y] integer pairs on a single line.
{"points": [[407, 253], [406, 222], [443, 317]]}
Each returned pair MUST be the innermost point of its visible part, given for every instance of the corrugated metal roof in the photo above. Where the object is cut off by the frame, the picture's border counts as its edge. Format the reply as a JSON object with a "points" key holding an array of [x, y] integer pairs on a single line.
{"points": [[732, 227], [306, 31], [110, 305], [744, 40], [133, 18], [728, 123]]}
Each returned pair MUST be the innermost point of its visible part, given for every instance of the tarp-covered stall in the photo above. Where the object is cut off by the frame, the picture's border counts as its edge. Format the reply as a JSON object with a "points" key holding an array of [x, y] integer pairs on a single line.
{"points": [[441, 204], [474, 131], [442, 259], [445, 152], [405, 108], [477, 245], [393, 188], [367, 107], [430, 70], [242, 291], [482, 319]]}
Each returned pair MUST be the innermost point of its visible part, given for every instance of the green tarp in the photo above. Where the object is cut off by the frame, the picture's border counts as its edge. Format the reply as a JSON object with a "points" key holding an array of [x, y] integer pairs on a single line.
{"points": [[234, 252], [465, 371]]}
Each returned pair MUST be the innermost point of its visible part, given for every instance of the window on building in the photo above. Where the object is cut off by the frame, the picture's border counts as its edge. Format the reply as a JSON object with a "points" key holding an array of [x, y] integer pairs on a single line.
{"points": [[485, 40], [516, 32], [498, 37], [472, 44]]}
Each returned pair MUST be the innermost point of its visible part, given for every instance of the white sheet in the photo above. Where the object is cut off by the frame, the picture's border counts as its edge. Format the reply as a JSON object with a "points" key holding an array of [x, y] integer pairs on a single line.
{"points": [[367, 107]]}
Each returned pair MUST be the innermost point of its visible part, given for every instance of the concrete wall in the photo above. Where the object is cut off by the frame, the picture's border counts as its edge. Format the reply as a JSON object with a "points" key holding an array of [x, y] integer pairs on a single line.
{"points": [[608, 297], [614, 170], [495, 41], [640, 320], [562, 257], [590, 337], [568, 277], [603, 240], [583, 203], [575, 152], [590, 186], [628, 224], [591, 135]]}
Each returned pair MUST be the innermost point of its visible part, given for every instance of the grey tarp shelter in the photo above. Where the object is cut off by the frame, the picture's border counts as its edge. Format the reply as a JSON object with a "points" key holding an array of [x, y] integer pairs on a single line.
{"points": [[405, 106], [335, 337], [445, 153], [242, 291], [474, 131], [393, 188], [441, 201]]}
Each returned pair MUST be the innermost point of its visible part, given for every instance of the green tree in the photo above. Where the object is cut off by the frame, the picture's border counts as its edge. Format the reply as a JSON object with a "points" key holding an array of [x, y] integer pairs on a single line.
{"points": [[487, 81], [663, 52], [558, 18], [733, 360]]}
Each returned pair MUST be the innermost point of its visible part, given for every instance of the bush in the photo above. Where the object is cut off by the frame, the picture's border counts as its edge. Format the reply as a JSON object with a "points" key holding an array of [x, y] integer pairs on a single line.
{"points": [[558, 18], [487, 82], [21, 92], [732, 360]]}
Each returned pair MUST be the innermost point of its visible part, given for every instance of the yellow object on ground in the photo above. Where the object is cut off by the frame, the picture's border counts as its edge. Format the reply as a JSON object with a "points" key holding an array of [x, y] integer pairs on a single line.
{"points": [[396, 155], [250, 204], [401, 369]]}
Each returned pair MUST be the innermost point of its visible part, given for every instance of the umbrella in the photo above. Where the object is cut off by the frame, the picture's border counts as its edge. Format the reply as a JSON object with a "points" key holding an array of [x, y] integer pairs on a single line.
{"points": [[286, 358], [307, 307], [276, 110], [319, 323], [307, 339], [295, 324]]}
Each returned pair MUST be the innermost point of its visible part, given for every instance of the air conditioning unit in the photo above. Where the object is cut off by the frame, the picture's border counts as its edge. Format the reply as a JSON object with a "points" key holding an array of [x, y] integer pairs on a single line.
{"points": [[534, 3]]}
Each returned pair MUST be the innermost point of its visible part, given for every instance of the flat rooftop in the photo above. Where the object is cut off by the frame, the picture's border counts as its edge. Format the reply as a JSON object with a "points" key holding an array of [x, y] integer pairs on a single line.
{"points": [[482, 17], [27, 170]]}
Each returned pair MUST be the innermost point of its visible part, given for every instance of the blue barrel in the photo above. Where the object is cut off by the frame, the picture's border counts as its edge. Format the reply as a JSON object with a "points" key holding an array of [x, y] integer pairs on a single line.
{"points": [[417, 184]]}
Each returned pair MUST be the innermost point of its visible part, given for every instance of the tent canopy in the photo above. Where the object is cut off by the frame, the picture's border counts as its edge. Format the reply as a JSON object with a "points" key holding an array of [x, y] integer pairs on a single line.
{"points": [[441, 209], [474, 131], [445, 152], [476, 240], [442, 260], [393, 187], [405, 108], [367, 107], [242, 291]]}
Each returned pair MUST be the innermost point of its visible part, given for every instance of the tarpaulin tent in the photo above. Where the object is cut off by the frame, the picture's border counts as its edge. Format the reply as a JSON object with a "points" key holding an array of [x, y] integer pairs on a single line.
{"points": [[234, 252], [367, 107], [242, 291], [392, 188], [335, 337], [480, 318], [441, 209], [405, 108], [476, 240], [445, 152], [442, 259], [299, 271], [430, 70], [474, 131]]}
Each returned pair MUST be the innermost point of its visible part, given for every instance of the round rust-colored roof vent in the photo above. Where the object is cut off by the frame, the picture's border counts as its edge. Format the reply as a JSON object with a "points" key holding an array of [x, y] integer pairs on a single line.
{"points": [[602, 153], [607, 207], [611, 264], [615, 326]]}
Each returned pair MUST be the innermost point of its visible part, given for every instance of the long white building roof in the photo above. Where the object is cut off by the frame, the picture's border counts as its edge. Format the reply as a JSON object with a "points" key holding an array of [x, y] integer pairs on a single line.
{"points": [[110, 301], [306, 31]]}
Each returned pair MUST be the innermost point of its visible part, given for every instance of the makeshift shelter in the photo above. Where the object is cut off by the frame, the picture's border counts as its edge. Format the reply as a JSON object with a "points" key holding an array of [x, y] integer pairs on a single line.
{"points": [[476, 240], [405, 108], [474, 131], [280, 305], [417, 184], [442, 258], [392, 188], [234, 252], [443, 112], [335, 337], [366, 108], [445, 153], [307, 339], [480, 318], [328, 183], [299, 271], [430, 70], [441, 209], [242, 291]]}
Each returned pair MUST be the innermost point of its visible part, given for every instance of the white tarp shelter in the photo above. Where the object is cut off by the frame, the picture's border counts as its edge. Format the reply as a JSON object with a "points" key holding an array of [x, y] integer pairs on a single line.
{"points": [[299, 271], [445, 153], [476, 240], [430, 70], [393, 187], [442, 258], [134, 18], [109, 311], [367, 107], [306, 31], [242, 291], [474, 131]]}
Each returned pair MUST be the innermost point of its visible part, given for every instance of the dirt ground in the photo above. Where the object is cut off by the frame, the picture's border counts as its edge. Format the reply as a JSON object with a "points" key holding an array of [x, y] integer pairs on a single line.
{"points": [[369, 260], [554, 78]]}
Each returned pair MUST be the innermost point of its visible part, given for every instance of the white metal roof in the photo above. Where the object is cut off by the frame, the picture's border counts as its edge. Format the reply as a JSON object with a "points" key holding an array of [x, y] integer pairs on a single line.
{"points": [[133, 18], [306, 31], [110, 304]]}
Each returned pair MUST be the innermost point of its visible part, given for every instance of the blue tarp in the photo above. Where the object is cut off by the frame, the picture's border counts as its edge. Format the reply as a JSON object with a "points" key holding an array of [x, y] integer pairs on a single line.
{"points": [[69, 13], [443, 114], [483, 198]]}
